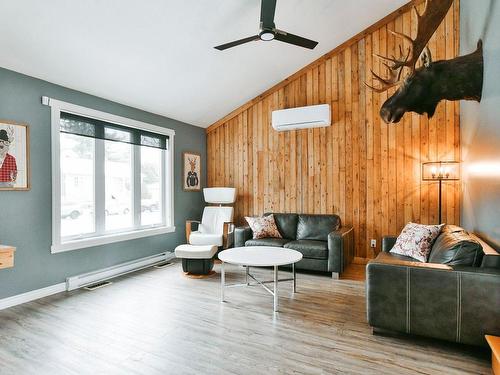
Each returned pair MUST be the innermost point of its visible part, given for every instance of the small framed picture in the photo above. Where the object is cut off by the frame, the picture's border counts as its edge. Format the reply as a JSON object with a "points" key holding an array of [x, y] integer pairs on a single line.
{"points": [[191, 179], [14, 156]]}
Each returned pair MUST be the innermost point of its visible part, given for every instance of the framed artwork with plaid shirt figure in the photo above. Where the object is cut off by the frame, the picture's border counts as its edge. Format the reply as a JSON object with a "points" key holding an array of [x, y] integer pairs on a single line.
{"points": [[14, 156]]}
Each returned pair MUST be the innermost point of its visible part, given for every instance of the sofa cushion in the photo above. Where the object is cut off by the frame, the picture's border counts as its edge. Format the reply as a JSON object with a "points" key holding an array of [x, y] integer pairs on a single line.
{"points": [[263, 227], [277, 242], [287, 224], [416, 240], [310, 248], [456, 247], [316, 227]]}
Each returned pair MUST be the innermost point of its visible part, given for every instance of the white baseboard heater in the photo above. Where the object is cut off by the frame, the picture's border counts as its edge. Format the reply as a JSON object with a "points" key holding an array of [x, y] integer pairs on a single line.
{"points": [[89, 278]]}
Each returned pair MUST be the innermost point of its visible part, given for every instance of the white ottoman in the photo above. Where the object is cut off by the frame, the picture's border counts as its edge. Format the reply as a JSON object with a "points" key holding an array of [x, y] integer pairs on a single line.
{"points": [[196, 259]]}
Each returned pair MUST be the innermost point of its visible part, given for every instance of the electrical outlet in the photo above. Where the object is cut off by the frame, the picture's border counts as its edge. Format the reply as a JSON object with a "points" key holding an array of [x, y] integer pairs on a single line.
{"points": [[373, 243]]}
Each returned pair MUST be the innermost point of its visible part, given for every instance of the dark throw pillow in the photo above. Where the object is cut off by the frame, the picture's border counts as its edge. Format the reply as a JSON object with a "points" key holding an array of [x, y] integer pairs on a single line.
{"points": [[317, 227], [456, 247]]}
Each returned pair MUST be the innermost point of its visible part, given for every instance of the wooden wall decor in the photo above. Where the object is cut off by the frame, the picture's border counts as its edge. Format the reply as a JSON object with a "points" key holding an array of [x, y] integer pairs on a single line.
{"points": [[360, 168], [7, 256]]}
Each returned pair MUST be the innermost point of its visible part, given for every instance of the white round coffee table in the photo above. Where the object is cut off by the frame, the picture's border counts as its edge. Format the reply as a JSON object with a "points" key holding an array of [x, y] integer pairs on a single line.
{"points": [[260, 256]]}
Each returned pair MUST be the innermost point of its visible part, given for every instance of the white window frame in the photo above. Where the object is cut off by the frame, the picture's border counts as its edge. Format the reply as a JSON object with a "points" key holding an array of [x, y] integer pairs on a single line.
{"points": [[167, 226]]}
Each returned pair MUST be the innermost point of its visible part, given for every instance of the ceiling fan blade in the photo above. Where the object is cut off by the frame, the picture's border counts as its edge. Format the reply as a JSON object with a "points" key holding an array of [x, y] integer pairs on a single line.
{"points": [[267, 9], [222, 47], [283, 36]]}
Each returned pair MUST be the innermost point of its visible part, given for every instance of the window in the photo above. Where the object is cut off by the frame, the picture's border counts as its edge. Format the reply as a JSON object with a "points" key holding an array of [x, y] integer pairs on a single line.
{"points": [[112, 178]]}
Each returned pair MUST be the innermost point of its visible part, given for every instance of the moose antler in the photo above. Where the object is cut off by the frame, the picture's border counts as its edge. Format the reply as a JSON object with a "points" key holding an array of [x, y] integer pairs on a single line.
{"points": [[395, 70], [427, 23]]}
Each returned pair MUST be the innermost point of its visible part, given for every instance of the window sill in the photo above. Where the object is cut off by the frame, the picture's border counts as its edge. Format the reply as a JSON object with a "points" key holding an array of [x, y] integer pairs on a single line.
{"points": [[107, 239]]}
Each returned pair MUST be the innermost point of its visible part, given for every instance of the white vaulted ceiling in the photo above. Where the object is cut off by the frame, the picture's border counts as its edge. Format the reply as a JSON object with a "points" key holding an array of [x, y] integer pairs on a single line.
{"points": [[158, 55]]}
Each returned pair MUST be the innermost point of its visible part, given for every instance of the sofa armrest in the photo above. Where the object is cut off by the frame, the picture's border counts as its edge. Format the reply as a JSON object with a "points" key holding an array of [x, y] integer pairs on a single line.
{"points": [[491, 257], [388, 260], [242, 235], [340, 249], [433, 300], [388, 243]]}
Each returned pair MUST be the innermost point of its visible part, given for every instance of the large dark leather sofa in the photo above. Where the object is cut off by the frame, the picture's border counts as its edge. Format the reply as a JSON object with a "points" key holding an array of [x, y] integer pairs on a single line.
{"points": [[454, 297], [325, 245]]}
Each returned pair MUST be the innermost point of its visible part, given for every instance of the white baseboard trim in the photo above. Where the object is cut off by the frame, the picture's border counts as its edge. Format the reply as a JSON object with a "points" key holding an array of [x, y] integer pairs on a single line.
{"points": [[31, 295], [93, 277], [79, 281]]}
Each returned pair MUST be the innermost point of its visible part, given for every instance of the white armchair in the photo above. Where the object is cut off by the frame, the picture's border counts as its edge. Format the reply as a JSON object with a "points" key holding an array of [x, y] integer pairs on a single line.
{"points": [[216, 226]]}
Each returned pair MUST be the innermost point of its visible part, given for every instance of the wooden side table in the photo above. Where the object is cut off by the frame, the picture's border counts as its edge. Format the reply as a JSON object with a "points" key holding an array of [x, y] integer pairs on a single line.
{"points": [[494, 343], [7, 256]]}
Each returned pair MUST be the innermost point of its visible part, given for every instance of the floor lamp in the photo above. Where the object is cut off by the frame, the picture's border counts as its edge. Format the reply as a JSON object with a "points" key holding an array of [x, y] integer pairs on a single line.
{"points": [[441, 171]]}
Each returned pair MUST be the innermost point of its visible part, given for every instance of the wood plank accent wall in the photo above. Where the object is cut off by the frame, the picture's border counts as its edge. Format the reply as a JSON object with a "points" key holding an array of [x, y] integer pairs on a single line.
{"points": [[367, 172]]}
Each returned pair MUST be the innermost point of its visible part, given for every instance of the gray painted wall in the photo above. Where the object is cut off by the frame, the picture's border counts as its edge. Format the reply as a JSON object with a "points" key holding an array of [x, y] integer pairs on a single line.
{"points": [[25, 220], [480, 123]]}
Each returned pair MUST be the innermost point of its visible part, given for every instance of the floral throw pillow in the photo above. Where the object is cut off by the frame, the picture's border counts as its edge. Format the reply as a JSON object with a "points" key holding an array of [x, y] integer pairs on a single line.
{"points": [[263, 227], [416, 240]]}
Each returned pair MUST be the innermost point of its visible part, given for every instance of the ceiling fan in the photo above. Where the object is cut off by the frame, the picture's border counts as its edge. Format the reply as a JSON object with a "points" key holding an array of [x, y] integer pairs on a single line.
{"points": [[268, 31]]}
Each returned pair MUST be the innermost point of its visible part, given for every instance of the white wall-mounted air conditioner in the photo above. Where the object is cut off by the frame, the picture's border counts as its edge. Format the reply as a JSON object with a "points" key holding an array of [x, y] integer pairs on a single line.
{"points": [[314, 116]]}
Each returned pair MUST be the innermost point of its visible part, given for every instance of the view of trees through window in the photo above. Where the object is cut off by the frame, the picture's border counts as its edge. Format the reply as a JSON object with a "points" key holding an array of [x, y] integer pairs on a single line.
{"points": [[108, 186], [150, 185], [77, 185], [119, 197]]}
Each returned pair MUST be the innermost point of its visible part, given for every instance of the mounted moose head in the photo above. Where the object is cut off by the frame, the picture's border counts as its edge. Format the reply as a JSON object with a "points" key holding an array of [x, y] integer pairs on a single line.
{"points": [[424, 87]]}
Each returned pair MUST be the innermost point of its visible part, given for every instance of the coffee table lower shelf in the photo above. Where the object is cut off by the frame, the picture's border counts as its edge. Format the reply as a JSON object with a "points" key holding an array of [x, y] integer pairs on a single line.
{"points": [[275, 281]]}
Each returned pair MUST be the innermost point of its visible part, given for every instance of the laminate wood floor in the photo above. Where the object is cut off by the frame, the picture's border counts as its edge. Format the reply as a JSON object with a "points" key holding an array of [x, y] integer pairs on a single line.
{"points": [[159, 322]]}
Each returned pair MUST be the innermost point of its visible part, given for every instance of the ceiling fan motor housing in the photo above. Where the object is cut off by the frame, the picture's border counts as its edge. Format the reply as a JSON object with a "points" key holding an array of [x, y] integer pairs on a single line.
{"points": [[269, 32]]}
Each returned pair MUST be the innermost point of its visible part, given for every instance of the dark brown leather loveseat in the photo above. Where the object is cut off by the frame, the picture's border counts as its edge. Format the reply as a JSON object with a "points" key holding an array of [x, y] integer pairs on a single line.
{"points": [[455, 296], [325, 244]]}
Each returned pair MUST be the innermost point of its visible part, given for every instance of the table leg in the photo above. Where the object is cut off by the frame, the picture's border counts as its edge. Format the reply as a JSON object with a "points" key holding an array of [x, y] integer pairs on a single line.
{"points": [[246, 274], [222, 281], [275, 288], [294, 278]]}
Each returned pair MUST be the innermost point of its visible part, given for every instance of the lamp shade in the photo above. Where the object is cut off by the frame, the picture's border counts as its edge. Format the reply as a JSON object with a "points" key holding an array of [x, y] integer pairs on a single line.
{"points": [[441, 170]]}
